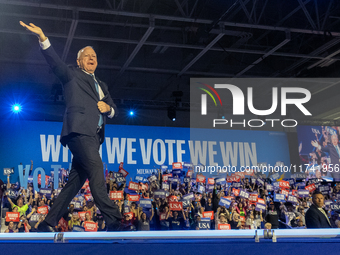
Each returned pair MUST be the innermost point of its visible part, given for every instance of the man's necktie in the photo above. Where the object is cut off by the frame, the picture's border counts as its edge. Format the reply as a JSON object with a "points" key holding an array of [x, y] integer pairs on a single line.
{"points": [[101, 121], [324, 213]]}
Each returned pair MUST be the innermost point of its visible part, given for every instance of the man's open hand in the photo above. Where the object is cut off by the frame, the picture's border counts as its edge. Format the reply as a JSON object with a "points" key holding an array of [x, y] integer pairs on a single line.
{"points": [[35, 30]]}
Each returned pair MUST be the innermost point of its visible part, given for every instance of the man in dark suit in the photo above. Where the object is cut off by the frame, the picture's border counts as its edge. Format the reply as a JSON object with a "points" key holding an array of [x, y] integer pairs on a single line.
{"points": [[88, 102], [316, 216], [333, 149]]}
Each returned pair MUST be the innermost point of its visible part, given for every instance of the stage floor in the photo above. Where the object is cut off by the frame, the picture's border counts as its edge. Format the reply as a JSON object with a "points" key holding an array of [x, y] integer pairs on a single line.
{"points": [[297, 241]]}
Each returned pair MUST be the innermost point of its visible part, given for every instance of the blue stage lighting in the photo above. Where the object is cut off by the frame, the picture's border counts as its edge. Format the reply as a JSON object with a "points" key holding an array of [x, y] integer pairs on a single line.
{"points": [[16, 108], [131, 113]]}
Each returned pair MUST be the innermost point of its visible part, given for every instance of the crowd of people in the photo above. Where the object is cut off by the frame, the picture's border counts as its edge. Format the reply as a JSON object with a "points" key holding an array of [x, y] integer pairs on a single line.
{"points": [[182, 201]]}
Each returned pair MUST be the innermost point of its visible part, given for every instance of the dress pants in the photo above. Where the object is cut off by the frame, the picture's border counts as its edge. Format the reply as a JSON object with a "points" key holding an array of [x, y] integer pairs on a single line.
{"points": [[86, 163]]}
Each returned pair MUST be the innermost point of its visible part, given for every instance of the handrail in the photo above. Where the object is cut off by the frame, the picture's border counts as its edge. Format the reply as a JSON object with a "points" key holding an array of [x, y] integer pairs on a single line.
{"points": [[1, 206]]}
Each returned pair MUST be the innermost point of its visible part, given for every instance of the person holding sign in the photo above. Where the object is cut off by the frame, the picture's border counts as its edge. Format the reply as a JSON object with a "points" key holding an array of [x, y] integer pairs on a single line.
{"points": [[20, 204], [88, 102]]}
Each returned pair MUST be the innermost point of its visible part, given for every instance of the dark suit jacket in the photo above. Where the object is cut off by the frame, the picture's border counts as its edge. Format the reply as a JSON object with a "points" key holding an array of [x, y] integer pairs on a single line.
{"points": [[315, 218], [82, 114]]}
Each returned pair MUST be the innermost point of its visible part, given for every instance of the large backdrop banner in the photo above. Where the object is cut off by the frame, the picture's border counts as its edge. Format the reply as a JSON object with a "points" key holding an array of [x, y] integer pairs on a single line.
{"points": [[142, 149]]}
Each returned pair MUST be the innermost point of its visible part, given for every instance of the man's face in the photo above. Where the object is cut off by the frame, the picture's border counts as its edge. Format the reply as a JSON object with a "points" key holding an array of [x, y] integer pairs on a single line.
{"points": [[20, 202], [334, 140], [318, 200], [88, 60]]}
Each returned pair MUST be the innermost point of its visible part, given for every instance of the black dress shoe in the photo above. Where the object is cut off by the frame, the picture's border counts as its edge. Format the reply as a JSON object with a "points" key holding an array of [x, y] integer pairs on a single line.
{"points": [[44, 227]]}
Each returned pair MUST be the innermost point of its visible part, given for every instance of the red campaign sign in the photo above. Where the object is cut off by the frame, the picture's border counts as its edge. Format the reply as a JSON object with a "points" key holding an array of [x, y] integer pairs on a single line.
{"points": [[294, 192], [229, 197], [200, 178], [43, 209], [261, 201], [285, 192], [236, 192], [162, 216], [211, 181], [189, 173], [177, 165], [233, 179], [63, 223], [131, 214], [172, 199], [224, 227], [311, 187], [176, 206], [133, 186], [82, 215], [88, 197], [208, 214], [116, 195], [166, 176], [46, 179], [123, 172], [12, 216], [284, 184], [253, 198], [133, 198], [90, 226], [86, 185], [249, 171], [241, 174], [242, 218], [121, 165], [144, 186]]}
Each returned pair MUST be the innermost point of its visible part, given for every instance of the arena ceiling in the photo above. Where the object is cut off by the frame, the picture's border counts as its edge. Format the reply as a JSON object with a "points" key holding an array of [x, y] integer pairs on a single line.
{"points": [[149, 49]]}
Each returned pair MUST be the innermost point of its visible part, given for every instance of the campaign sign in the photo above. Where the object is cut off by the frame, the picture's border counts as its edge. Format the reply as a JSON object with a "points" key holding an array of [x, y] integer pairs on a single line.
{"points": [[303, 193], [123, 172], [285, 192], [253, 198], [200, 189], [86, 185], [335, 207], [42, 209], [260, 207], [300, 185], [144, 186], [63, 223], [34, 217], [211, 181], [90, 226], [185, 203], [12, 194], [292, 199], [77, 229], [279, 197], [139, 178], [293, 192], [8, 170], [200, 178], [45, 191], [172, 199], [236, 192], [220, 181], [176, 206], [165, 177], [120, 179], [175, 179], [244, 194], [116, 175], [324, 188], [12, 216], [133, 198], [231, 179], [284, 185], [210, 187], [261, 201], [77, 205], [259, 181], [82, 215], [164, 168], [275, 176], [224, 227], [133, 186], [189, 196], [188, 165], [328, 202], [253, 180], [269, 187], [145, 203], [176, 171], [276, 184], [177, 165], [236, 185], [116, 195], [165, 186], [159, 194], [189, 173], [204, 224], [186, 180], [88, 197], [291, 182], [311, 187], [208, 214], [57, 191]]}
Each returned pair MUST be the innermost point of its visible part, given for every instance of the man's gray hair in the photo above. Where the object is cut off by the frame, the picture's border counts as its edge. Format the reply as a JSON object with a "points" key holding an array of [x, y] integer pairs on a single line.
{"points": [[81, 51]]}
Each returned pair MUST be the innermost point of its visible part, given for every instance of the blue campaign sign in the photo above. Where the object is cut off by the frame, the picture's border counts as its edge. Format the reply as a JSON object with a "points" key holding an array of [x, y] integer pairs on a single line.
{"points": [[220, 181], [159, 193], [201, 189], [45, 191], [185, 203], [303, 193], [8, 170], [139, 178], [224, 202], [204, 223], [279, 197], [78, 229], [12, 194], [143, 149], [145, 203], [189, 196]]}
